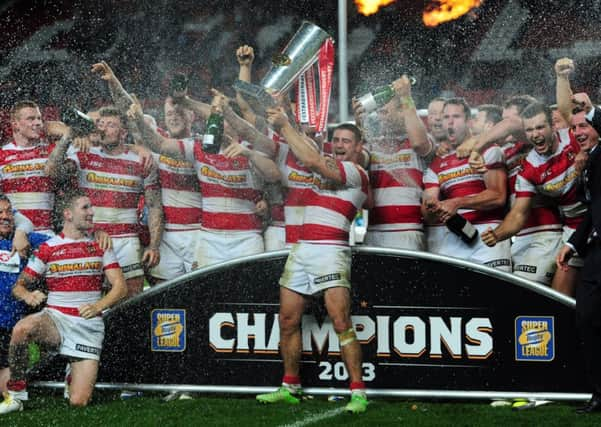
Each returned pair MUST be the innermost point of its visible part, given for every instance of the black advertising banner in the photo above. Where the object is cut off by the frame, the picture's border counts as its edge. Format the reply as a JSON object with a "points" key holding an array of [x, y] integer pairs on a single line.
{"points": [[425, 323]]}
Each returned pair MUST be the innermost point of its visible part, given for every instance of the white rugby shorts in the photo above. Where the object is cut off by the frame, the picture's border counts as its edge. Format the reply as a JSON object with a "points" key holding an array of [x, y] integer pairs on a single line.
{"points": [[533, 255], [221, 246], [412, 240], [312, 268], [434, 237], [81, 338], [128, 251], [274, 238], [498, 256], [178, 251]]}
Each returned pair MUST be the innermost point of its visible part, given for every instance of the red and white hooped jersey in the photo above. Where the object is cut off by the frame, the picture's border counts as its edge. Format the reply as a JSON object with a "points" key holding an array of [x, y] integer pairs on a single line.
{"points": [[455, 178], [544, 215], [73, 270], [275, 194], [554, 176], [298, 181], [396, 179], [331, 207], [25, 182], [230, 189], [515, 153], [114, 184], [180, 194]]}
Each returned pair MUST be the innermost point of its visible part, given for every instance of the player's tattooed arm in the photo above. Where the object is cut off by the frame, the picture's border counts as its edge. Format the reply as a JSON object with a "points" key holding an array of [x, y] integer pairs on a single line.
{"points": [[152, 256], [248, 132], [328, 168], [120, 97], [302, 148], [20, 290], [155, 216], [149, 135], [331, 164], [56, 166]]}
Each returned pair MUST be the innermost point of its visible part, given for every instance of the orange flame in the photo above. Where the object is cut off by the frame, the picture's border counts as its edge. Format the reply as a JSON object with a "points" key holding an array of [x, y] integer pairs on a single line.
{"points": [[369, 7], [447, 10]]}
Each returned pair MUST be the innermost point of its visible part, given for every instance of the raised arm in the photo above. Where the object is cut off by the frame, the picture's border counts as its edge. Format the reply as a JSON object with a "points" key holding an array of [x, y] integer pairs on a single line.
{"points": [[57, 166], [303, 150], [200, 109], [248, 132], [149, 135], [261, 163], [245, 56], [241, 127], [498, 132], [416, 131], [121, 98], [563, 91]]}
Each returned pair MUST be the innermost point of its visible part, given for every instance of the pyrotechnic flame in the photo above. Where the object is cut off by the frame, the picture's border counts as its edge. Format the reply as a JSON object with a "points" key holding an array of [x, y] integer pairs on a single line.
{"points": [[447, 10], [369, 7]]}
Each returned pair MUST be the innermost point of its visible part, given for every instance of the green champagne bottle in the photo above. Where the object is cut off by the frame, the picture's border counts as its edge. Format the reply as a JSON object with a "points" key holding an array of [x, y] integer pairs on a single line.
{"points": [[377, 98], [213, 136], [79, 122]]}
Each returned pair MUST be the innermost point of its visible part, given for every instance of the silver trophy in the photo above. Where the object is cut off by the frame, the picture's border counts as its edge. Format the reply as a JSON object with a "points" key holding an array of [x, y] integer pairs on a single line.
{"points": [[300, 53]]}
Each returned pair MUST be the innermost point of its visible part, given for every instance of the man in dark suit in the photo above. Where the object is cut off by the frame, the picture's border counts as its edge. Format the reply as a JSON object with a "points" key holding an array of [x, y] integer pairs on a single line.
{"points": [[586, 242]]}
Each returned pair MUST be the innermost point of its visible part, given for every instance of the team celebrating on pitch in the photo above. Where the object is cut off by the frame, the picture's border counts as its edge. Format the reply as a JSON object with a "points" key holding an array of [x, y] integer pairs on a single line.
{"points": [[105, 209]]}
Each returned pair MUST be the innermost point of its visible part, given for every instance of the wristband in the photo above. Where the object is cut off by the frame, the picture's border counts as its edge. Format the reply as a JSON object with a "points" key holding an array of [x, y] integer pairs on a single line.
{"points": [[407, 102]]}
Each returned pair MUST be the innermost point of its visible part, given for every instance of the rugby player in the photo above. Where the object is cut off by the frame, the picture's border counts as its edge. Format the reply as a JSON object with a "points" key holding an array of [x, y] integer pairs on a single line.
{"points": [[549, 171], [73, 265], [452, 186], [320, 262], [397, 164], [22, 175], [115, 178], [231, 183], [537, 243], [181, 200]]}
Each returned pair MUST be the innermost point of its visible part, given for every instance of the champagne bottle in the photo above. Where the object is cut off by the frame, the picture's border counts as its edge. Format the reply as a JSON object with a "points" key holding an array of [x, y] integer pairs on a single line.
{"points": [[213, 136], [376, 98], [178, 85], [79, 122], [462, 228]]}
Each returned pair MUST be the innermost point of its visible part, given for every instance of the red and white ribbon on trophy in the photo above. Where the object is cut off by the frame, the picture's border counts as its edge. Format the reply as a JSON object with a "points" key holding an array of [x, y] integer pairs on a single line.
{"points": [[307, 111]]}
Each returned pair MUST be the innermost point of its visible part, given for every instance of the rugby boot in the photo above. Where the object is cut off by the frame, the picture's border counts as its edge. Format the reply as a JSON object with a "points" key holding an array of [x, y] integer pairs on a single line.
{"points": [[10, 403], [357, 404], [282, 394]]}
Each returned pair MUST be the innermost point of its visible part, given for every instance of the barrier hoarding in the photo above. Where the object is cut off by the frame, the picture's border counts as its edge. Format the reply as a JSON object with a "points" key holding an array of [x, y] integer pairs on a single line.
{"points": [[425, 323]]}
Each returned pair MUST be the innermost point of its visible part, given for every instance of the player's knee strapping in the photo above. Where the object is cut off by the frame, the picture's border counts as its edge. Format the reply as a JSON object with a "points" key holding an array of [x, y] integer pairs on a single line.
{"points": [[347, 337]]}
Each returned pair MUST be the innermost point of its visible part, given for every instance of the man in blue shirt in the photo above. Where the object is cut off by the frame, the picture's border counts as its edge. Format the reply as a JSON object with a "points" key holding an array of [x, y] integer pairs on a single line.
{"points": [[11, 265]]}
